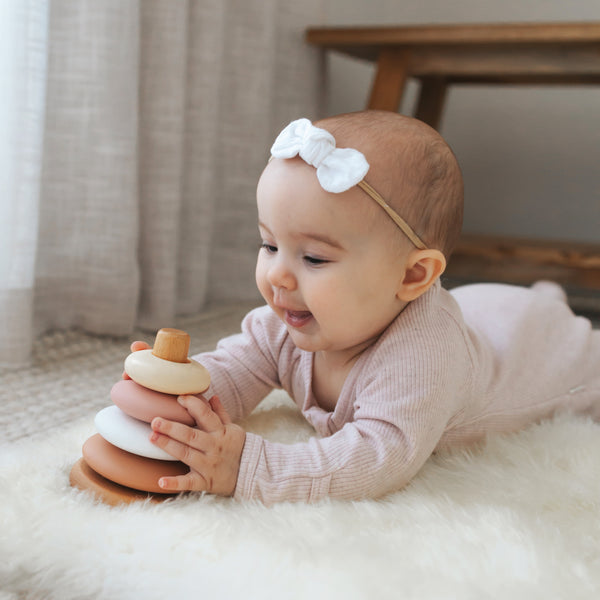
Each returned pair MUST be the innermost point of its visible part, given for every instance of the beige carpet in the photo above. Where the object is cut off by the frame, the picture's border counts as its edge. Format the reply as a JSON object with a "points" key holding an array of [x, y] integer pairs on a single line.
{"points": [[518, 518]]}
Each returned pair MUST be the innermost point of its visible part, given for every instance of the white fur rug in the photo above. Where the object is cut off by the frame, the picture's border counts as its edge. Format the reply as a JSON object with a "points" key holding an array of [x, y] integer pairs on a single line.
{"points": [[519, 518]]}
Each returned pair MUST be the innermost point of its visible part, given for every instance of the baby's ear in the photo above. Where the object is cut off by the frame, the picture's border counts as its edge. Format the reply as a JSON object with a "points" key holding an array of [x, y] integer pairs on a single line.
{"points": [[423, 267]]}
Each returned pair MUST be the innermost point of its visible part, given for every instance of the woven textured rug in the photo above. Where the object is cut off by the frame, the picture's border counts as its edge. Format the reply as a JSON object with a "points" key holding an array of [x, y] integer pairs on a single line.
{"points": [[72, 372], [518, 517]]}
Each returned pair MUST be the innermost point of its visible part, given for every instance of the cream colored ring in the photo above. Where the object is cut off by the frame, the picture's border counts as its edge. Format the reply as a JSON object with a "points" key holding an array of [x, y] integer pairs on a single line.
{"points": [[166, 376]]}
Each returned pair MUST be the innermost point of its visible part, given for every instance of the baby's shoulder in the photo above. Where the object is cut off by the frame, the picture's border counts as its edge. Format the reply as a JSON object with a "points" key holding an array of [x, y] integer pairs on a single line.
{"points": [[429, 330], [422, 357]]}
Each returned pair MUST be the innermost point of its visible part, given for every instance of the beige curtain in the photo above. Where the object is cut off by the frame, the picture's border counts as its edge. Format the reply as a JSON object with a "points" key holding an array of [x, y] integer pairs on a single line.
{"points": [[140, 130]]}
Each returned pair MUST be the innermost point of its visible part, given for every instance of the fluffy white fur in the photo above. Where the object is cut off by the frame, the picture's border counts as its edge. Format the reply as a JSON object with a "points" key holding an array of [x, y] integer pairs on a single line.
{"points": [[518, 518]]}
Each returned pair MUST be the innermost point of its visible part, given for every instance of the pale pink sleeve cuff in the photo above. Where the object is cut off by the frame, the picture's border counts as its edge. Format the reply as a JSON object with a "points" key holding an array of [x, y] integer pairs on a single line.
{"points": [[272, 477], [248, 465]]}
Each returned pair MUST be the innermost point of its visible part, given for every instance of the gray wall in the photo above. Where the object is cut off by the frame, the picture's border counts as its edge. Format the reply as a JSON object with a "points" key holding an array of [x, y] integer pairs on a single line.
{"points": [[530, 156]]}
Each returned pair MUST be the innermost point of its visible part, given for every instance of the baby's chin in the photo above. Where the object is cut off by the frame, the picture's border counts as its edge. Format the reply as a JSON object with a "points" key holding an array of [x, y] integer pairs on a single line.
{"points": [[303, 344], [303, 338]]}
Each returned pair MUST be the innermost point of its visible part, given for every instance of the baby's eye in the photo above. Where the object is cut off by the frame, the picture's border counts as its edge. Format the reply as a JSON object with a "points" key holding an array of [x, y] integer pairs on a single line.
{"points": [[269, 248], [314, 261]]}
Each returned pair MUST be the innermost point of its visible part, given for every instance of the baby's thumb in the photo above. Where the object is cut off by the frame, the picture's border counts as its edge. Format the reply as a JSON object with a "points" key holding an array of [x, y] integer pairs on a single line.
{"points": [[219, 409]]}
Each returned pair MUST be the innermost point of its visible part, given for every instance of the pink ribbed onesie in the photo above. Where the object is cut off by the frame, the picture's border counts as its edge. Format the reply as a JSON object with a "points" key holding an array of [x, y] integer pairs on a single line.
{"points": [[450, 369]]}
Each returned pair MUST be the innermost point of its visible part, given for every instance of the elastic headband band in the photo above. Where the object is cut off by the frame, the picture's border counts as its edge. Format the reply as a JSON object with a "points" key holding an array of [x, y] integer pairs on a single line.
{"points": [[400, 222], [338, 169]]}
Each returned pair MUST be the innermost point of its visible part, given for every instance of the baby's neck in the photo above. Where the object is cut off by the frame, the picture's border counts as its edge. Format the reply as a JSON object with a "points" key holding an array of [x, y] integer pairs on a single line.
{"points": [[330, 370], [327, 382]]}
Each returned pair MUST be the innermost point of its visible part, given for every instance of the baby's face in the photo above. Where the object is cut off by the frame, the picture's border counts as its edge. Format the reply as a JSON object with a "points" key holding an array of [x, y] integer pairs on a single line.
{"points": [[326, 265]]}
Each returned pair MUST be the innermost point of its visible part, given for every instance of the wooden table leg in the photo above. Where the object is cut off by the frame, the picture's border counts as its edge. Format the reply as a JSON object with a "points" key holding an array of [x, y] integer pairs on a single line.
{"points": [[390, 79], [431, 100]]}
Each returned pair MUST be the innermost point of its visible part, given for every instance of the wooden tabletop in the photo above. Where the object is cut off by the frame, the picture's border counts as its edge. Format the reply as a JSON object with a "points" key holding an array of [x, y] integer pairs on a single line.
{"points": [[365, 42], [544, 53]]}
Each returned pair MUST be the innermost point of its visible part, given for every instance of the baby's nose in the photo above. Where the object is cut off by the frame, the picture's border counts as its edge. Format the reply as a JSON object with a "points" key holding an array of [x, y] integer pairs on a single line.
{"points": [[281, 275]]}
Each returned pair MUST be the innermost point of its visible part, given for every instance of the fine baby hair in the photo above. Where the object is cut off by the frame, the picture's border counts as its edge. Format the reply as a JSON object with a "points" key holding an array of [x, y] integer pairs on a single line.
{"points": [[408, 164]]}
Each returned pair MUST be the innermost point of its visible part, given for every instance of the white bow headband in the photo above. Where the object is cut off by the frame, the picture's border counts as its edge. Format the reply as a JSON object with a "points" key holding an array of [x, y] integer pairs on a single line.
{"points": [[338, 169]]}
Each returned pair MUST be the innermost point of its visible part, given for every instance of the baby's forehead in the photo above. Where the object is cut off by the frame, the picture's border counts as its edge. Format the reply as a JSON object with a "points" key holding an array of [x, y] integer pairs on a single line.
{"points": [[352, 212], [293, 176], [289, 174]]}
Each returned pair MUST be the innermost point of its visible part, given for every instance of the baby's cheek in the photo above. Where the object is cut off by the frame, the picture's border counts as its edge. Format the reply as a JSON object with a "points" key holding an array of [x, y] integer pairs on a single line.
{"points": [[261, 281], [329, 301], [266, 293]]}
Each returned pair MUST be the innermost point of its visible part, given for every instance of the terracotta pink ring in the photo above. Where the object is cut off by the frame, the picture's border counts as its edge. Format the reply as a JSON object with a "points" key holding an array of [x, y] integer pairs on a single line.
{"points": [[145, 404]]}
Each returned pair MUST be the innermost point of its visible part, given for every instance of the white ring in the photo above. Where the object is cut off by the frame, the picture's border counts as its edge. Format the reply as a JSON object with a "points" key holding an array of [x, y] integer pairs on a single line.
{"points": [[128, 433], [165, 375]]}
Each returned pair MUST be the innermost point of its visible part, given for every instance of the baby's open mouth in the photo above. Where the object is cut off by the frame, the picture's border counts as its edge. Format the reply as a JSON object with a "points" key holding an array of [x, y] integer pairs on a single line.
{"points": [[297, 318]]}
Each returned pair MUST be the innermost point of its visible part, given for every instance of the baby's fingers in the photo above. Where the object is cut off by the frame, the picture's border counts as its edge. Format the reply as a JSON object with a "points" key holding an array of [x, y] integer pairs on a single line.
{"points": [[202, 412], [137, 345], [191, 481], [176, 438]]}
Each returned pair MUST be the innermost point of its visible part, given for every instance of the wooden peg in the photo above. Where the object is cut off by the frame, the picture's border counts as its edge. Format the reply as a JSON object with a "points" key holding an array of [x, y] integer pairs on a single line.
{"points": [[172, 344]]}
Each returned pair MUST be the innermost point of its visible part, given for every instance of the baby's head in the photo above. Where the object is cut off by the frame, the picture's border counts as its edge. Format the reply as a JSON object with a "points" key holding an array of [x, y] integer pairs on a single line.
{"points": [[356, 215], [412, 168]]}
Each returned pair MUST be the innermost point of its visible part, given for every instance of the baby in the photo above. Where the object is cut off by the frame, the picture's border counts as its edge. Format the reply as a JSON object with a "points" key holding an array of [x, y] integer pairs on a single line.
{"points": [[358, 216]]}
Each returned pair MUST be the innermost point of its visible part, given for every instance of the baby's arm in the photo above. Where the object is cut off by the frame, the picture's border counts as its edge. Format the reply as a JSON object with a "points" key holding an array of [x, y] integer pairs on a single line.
{"points": [[245, 367], [367, 458], [400, 415], [363, 460], [380, 451]]}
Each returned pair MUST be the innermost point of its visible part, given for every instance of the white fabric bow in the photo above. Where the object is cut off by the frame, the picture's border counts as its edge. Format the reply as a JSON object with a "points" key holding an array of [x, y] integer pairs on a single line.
{"points": [[338, 169]]}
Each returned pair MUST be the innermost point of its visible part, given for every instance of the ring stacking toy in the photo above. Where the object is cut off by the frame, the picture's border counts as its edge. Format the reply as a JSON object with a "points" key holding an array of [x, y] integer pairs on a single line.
{"points": [[119, 463]]}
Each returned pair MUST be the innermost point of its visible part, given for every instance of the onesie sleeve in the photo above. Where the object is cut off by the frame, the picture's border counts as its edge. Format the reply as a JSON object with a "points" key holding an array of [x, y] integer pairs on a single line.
{"points": [[245, 367], [401, 412]]}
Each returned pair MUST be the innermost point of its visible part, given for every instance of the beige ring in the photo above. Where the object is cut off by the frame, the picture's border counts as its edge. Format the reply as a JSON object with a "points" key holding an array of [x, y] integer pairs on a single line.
{"points": [[166, 376]]}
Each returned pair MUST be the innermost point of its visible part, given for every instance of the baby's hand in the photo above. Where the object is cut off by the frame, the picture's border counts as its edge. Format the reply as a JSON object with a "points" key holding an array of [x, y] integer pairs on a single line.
{"points": [[135, 346], [212, 452]]}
